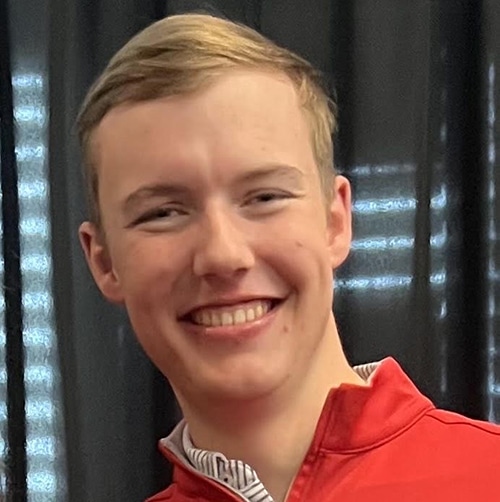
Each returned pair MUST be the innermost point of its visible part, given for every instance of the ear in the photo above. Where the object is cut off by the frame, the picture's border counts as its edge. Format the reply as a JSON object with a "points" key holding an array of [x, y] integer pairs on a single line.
{"points": [[340, 221], [99, 262]]}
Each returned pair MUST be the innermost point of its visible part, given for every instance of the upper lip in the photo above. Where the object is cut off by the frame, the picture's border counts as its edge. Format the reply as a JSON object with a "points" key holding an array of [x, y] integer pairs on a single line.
{"points": [[228, 302]]}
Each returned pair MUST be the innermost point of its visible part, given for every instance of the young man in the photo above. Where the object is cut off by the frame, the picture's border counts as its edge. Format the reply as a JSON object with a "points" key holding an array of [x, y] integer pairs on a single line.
{"points": [[217, 220]]}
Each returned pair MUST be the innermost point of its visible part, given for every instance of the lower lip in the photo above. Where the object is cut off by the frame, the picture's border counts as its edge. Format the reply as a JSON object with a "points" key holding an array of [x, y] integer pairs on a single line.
{"points": [[235, 332]]}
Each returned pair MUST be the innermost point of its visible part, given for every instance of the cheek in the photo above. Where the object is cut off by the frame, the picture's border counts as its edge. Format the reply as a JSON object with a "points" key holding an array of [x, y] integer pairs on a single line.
{"points": [[146, 266], [303, 263]]}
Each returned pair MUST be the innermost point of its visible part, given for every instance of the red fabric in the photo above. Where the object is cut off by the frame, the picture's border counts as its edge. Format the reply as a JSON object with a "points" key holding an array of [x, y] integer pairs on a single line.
{"points": [[382, 443]]}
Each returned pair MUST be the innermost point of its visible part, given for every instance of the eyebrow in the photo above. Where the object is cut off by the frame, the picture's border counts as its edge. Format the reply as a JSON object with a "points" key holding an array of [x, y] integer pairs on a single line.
{"points": [[181, 191], [272, 171]]}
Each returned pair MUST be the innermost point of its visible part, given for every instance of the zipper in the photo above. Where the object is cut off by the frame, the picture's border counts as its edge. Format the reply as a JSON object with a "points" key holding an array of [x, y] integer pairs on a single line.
{"points": [[180, 464]]}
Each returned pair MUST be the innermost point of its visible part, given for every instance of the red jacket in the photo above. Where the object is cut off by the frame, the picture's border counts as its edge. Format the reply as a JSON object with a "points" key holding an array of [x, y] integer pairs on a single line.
{"points": [[382, 443]]}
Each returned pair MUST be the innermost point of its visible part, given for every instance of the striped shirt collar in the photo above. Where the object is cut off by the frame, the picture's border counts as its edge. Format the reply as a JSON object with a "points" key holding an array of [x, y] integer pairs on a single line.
{"points": [[235, 474]]}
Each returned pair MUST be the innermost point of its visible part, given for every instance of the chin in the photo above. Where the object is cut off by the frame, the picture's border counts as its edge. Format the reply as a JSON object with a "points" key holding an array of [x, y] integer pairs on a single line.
{"points": [[241, 388]]}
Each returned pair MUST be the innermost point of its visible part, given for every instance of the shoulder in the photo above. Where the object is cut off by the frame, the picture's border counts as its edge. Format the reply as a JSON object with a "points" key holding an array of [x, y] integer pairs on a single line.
{"points": [[466, 432], [444, 438], [453, 423]]}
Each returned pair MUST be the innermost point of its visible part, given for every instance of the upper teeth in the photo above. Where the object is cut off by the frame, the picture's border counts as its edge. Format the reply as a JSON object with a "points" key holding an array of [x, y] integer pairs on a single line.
{"points": [[228, 316]]}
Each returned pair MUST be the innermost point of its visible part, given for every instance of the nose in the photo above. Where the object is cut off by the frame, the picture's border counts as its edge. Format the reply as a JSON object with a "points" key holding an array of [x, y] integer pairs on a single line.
{"points": [[224, 249]]}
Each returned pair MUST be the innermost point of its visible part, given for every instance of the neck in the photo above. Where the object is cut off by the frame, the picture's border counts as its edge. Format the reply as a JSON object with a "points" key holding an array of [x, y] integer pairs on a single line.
{"points": [[273, 434]]}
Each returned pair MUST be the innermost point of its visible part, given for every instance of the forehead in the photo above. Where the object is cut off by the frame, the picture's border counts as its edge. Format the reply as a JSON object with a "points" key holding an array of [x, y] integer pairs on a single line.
{"points": [[242, 117]]}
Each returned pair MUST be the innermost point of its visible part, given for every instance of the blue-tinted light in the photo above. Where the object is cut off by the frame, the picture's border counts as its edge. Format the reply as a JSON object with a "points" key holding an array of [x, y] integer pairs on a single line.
{"points": [[27, 81]]}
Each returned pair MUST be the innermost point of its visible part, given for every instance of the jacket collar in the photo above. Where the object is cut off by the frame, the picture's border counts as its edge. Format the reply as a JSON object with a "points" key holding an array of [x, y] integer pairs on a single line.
{"points": [[355, 418]]}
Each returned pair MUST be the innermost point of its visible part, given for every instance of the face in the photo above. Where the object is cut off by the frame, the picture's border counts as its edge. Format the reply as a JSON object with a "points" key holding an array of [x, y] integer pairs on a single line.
{"points": [[219, 241]]}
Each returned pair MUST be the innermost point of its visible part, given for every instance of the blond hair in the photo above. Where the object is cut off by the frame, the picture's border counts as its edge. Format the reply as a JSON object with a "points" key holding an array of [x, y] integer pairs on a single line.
{"points": [[181, 54]]}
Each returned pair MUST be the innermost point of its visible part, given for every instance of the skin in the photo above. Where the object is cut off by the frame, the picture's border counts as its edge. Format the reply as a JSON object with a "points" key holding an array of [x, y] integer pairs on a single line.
{"points": [[214, 199]]}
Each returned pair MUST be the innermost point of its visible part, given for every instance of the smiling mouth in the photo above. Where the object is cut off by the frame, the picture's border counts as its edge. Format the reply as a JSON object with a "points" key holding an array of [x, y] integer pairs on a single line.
{"points": [[233, 315]]}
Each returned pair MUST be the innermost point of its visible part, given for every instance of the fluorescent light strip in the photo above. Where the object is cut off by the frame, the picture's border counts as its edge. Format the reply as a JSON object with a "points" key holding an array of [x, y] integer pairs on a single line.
{"points": [[384, 282], [396, 242], [397, 204]]}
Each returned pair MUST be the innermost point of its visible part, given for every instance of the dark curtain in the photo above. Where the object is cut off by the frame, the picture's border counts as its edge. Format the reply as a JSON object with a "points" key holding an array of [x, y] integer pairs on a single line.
{"points": [[417, 85]]}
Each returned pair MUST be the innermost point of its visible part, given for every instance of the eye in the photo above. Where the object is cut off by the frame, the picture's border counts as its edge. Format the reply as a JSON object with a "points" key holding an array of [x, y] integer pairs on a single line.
{"points": [[266, 202], [166, 214], [264, 197]]}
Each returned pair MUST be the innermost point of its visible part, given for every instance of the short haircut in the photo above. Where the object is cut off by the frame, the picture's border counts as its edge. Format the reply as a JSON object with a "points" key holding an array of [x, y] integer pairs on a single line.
{"points": [[182, 54]]}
